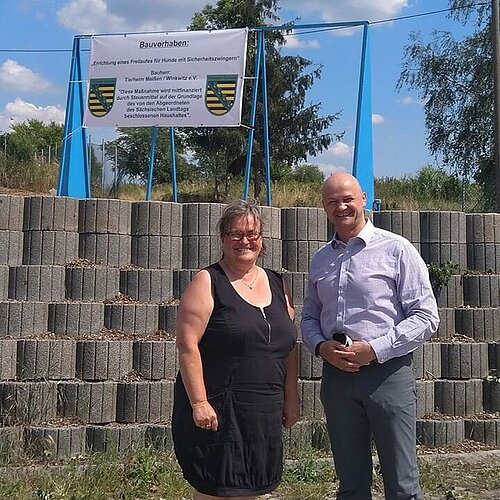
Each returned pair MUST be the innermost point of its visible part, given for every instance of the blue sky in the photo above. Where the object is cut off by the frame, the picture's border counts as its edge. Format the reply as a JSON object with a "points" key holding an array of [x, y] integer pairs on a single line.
{"points": [[34, 84]]}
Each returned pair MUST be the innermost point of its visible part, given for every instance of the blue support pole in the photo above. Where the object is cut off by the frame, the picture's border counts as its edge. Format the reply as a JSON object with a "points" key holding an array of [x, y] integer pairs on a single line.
{"points": [[363, 148], [152, 149], [74, 173], [251, 132], [173, 163], [265, 116]]}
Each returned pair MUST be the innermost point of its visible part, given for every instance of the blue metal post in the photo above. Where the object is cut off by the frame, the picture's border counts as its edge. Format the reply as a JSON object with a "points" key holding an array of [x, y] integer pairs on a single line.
{"points": [[152, 149], [363, 150], [74, 173], [265, 116], [173, 163], [251, 132]]}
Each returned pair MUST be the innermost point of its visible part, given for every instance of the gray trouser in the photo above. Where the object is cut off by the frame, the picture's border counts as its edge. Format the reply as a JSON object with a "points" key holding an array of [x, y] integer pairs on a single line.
{"points": [[378, 401]]}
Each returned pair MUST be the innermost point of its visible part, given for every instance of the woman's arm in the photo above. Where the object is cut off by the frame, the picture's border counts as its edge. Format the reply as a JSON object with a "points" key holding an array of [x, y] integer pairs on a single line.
{"points": [[193, 315]]}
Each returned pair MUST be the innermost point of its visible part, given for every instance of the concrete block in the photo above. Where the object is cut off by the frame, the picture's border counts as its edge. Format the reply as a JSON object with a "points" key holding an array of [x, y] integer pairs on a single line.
{"points": [[157, 252], [26, 403], [159, 436], [23, 319], [452, 294], [464, 360], [485, 431], [491, 395], [156, 218], [89, 402], [11, 444], [131, 317], [75, 319], [425, 397], [11, 247], [459, 397], [200, 219], [441, 253], [297, 285], [200, 251], [298, 317], [50, 213], [310, 367], [403, 222], [4, 282], [113, 438], [310, 402], [273, 256], [45, 359], [482, 290], [484, 257], [36, 283], [446, 328], [100, 360], [105, 216], [271, 222], [145, 401], [147, 285], [49, 248], [494, 357], [297, 255], [11, 212], [155, 359], [442, 227], [8, 359], [440, 433], [307, 434], [167, 317], [55, 442], [303, 223], [427, 361], [482, 324], [91, 283], [108, 249], [181, 279], [483, 228]]}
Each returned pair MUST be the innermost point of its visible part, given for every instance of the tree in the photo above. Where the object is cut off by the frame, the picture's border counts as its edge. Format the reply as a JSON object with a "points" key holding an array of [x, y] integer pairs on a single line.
{"points": [[455, 80], [296, 128], [133, 149]]}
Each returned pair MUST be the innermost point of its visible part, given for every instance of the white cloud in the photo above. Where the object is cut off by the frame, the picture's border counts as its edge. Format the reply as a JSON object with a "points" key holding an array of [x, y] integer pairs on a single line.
{"points": [[340, 150], [19, 111], [347, 10], [108, 16], [376, 119], [295, 42], [15, 76], [407, 100]]}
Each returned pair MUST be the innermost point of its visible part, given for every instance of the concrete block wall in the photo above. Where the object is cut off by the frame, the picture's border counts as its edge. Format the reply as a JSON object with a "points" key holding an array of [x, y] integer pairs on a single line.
{"points": [[89, 293]]}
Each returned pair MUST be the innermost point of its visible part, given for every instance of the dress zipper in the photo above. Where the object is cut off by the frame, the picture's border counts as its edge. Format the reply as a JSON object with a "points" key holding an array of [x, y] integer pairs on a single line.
{"points": [[268, 325]]}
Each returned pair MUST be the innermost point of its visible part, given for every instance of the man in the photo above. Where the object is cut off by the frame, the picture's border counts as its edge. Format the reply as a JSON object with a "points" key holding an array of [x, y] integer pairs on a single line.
{"points": [[372, 286]]}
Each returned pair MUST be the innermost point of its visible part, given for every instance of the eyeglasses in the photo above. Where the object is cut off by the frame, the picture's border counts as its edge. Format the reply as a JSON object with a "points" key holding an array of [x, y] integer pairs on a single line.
{"points": [[238, 236]]}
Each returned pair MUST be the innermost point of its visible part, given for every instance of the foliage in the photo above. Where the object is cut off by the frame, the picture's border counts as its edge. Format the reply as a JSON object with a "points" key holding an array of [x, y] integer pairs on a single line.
{"points": [[30, 138], [296, 129], [454, 79], [440, 274], [133, 151]]}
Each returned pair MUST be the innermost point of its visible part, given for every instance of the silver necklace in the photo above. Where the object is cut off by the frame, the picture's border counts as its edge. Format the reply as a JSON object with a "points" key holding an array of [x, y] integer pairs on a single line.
{"points": [[250, 285]]}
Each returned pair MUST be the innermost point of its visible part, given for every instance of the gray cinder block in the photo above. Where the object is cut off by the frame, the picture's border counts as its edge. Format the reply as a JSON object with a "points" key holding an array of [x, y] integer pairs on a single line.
{"points": [[50, 213], [464, 360], [55, 442], [147, 285], [75, 318], [49, 247], [491, 395], [36, 283], [452, 294], [442, 227], [446, 328], [403, 222], [441, 253], [8, 359], [485, 430], [459, 397], [494, 357], [303, 223], [90, 402], [482, 290], [156, 218], [4, 282], [310, 367], [273, 256], [11, 212], [427, 361], [200, 219], [145, 401], [181, 279], [440, 433], [131, 317], [482, 324], [45, 359], [104, 216], [25, 403], [425, 397], [310, 402], [159, 436], [157, 252], [23, 319], [200, 251], [271, 222], [96, 283], [11, 443], [483, 228], [121, 439], [11, 247], [105, 248], [167, 317], [297, 285], [103, 359], [155, 359], [484, 257], [297, 255]]}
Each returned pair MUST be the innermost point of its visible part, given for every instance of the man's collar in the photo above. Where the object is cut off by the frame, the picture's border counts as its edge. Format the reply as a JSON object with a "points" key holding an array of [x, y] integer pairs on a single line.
{"points": [[364, 235]]}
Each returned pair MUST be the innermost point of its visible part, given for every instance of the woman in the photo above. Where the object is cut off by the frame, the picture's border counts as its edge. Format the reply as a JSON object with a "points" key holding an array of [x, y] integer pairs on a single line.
{"points": [[238, 368]]}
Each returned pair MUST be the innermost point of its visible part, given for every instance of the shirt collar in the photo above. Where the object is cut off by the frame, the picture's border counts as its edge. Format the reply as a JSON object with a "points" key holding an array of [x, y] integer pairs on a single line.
{"points": [[365, 235]]}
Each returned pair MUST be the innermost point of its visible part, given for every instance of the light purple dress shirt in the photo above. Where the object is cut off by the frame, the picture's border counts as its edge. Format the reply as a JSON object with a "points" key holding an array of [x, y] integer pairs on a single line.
{"points": [[375, 288]]}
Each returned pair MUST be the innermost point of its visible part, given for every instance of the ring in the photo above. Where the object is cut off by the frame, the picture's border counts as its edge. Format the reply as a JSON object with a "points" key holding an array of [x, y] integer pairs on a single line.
{"points": [[208, 426]]}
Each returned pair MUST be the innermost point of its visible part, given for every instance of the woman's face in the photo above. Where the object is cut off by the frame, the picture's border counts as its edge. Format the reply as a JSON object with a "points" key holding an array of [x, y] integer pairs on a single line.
{"points": [[242, 241]]}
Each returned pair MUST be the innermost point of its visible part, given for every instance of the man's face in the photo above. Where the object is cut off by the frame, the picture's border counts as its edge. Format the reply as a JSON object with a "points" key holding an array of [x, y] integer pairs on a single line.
{"points": [[344, 204]]}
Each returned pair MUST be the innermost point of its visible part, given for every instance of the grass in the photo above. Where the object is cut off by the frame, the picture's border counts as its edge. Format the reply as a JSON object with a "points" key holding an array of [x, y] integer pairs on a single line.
{"points": [[154, 475]]}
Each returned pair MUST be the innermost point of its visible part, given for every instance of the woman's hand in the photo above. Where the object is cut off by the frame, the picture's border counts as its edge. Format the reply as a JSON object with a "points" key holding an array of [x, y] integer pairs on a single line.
{"points": [[204, 416], [291, 411]]}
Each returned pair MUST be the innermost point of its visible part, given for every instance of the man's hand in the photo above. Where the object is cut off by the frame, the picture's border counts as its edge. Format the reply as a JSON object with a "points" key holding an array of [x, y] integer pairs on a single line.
{"points": [[339, 356], [363, 352]]}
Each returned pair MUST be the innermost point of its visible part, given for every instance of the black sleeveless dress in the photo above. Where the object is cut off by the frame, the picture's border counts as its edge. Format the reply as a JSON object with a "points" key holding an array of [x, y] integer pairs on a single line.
{"points": [[243, 352]]}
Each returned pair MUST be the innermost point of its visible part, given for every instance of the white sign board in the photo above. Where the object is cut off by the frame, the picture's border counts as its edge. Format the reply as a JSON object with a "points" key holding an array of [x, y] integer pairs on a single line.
{"points": [[180, 79]]}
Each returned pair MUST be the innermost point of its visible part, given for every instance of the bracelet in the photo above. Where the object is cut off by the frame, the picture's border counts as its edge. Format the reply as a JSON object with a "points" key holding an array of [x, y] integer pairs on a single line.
{"points": [[199, 403]]}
